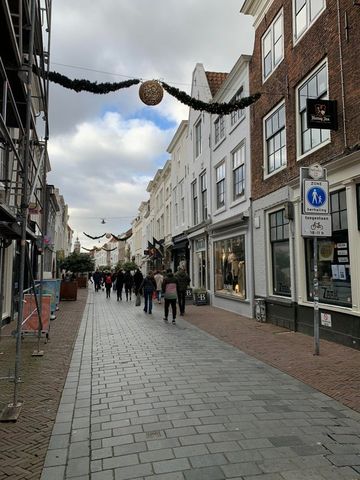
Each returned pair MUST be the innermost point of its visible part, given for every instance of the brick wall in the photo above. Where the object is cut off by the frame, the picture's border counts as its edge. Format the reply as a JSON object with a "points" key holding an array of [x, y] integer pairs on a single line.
{"points": [[320, 41]]}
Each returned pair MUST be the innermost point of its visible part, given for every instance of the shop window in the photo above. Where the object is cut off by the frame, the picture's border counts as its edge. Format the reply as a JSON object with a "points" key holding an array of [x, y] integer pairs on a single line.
{"points": [[333, 258], [230, 273], [280, 253]]}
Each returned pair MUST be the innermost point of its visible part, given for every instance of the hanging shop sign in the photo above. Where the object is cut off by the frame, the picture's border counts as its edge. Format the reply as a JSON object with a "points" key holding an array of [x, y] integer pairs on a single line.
{"points": [[321, 113]]}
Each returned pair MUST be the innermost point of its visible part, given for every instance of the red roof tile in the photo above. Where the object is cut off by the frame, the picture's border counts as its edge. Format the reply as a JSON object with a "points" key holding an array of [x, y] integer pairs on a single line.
{"points": [[215, 79]]}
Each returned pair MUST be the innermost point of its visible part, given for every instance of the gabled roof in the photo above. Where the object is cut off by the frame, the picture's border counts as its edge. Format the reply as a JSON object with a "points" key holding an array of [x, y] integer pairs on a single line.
{"points": [[215, 79]]}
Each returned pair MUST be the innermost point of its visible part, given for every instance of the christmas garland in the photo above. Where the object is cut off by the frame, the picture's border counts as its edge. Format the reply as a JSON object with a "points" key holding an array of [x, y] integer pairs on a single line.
{"points": [[109, 250], [121, 239], [107, 87], [217, 108], [94, 238], [89, 249]]}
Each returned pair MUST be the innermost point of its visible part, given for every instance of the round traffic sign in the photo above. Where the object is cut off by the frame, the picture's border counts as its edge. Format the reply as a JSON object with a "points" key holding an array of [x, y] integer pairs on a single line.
{"points": [[316, 196]]}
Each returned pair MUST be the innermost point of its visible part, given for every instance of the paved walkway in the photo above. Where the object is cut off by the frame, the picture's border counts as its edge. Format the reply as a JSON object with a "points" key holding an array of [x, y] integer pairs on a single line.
{"points": [[148, 400]]}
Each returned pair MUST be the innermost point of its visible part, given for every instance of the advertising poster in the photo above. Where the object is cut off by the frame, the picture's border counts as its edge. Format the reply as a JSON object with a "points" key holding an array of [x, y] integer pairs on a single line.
{"points": [[50, 287]]}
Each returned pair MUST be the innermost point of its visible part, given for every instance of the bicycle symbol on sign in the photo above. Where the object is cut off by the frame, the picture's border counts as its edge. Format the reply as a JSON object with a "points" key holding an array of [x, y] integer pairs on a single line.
{"points": [[316, 226]]}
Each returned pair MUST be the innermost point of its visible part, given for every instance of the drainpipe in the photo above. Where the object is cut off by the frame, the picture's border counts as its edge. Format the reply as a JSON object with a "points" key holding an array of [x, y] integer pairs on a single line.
{"points": [[341, 74]]}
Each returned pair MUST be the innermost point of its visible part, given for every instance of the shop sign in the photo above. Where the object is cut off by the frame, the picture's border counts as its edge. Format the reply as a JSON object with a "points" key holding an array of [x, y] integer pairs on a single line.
{"points": [[316, 225], [321, 114], [316, 196]]}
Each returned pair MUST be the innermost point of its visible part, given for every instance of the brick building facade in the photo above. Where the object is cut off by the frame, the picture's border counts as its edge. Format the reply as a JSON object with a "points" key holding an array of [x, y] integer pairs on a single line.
{"points": [[303, 50]]}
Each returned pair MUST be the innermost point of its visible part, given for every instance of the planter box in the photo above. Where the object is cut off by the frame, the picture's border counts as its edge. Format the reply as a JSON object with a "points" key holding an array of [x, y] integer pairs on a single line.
{"points": [[200, 298], [68, 290], [82, 282]]}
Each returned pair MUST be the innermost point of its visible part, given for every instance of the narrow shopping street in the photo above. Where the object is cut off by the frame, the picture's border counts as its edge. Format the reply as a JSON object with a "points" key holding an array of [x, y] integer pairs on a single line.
{"points": [[145, 399]]}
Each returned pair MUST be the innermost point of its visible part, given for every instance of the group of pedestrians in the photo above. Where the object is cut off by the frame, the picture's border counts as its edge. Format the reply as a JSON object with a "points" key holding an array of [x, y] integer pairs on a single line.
{"points": [[172, 287], [152, 287]]}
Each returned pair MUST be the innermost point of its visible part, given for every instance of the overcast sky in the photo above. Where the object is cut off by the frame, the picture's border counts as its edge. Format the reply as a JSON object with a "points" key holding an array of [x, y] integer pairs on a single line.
{"points": [[104, 149]]}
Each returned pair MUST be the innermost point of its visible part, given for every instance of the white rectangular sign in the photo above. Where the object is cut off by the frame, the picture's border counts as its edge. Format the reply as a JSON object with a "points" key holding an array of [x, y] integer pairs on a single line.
{"points": [[325, 319], [316, 196], [316, 225]]}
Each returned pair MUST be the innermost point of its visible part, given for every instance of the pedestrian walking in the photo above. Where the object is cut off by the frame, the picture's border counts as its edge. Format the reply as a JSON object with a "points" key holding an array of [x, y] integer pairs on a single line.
{"points": [[97, 280], [138, 278], [128, 283], [113, 278], [159, 278], [108, 284], [148, 287], [183, 282], [120, 279], [169, 288]]}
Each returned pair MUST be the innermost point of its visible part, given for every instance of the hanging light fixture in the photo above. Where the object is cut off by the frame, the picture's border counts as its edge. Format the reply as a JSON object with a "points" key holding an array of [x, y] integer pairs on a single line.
{"points": [[103, 221]]}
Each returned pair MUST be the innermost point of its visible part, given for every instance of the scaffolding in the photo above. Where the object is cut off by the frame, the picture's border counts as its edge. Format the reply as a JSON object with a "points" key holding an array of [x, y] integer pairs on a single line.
{"points": [[25, 27]]}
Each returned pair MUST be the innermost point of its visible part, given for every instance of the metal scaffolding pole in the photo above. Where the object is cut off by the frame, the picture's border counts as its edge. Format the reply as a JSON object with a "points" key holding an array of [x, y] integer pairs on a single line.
{"points": [[13, 410]]}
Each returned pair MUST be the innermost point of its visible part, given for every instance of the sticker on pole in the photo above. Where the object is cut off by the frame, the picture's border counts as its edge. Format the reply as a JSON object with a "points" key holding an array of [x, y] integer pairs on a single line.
{"points": [[316, 196]]}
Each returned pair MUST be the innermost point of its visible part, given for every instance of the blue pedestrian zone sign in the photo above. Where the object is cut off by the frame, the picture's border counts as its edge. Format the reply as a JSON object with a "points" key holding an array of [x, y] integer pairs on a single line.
{"points": [[316, 196]]}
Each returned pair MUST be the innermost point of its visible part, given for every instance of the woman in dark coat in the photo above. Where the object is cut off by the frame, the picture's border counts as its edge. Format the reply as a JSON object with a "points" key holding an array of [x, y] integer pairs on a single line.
{"points": [[138, 278], [148, 286], [128, 282], [120, 279]]}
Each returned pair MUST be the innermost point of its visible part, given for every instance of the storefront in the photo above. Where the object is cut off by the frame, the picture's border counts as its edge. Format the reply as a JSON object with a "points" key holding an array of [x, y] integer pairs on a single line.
{"points": [[231, 266], [180, 252]]}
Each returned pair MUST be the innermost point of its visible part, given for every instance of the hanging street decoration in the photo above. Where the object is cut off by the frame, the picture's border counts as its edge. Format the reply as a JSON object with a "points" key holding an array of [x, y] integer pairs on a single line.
{"points": [[94, 238], [89, 249], [121, 239], [150, 92], [217, 108]]}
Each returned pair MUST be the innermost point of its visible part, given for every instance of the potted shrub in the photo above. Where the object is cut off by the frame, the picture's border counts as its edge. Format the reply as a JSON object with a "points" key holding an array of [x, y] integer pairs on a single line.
{"points": [[200, 296], [78, 264]]}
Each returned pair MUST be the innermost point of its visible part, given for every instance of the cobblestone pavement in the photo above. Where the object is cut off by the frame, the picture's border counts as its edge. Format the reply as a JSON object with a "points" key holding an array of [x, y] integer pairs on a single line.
{"points": [[23, 444], [147, 400]]}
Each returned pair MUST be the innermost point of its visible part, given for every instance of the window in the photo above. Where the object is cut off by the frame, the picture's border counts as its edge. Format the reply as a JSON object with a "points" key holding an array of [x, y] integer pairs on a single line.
{"points": [[275, 140], [305, 13], [203, 189], [238, 114], [280, 253], [182, 202], [219, 129], [314, 87], [238, 166], [220, 185], [273, 46], [230, 273], [198, 139], [176, 205], [195, 203], [333, 258]]}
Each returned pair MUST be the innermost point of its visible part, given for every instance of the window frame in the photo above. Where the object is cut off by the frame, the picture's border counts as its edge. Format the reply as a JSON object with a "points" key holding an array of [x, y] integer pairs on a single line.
{"points": [[301, 113], [276, 242], [283, 147], [219, 129], [237, 115], [220, 183], [241, 165], [195, 202], [203, 190], [309, 24], [198, 138], [271, 31]]}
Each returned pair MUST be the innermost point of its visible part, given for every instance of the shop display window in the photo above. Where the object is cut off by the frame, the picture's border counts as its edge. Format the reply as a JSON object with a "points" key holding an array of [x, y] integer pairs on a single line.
{"points": [[230, 272], [333, 258], [280, 253]]}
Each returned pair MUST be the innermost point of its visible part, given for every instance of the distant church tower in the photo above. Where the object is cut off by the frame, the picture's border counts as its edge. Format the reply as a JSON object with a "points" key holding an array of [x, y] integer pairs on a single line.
{"points": [[77, 245]]}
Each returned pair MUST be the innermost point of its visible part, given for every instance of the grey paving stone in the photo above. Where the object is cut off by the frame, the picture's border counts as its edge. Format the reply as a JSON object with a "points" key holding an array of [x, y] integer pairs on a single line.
{"points": [[156, 455], [101, 453], [344, 460], [78, 467], [130, 448], [207, 460], [56, 457], [241, 469], [134, 471], [59, 441], [190, 451], [179, 464], [106, 475], [120, 461], [79, 449], [195, 439], [53, 473], [207, 473]]}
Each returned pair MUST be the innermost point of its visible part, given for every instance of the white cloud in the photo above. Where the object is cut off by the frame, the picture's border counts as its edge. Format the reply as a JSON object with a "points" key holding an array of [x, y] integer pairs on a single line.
{"points": [[105, 148]]}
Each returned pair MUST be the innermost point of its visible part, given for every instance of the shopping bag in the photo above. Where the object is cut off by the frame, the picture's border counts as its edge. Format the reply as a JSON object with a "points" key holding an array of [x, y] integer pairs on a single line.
{"points": [[138, 300], [154, 295]]}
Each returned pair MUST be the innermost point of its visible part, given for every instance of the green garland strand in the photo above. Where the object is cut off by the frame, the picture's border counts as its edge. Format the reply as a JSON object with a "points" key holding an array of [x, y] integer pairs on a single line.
{"points": [[103, 88], [217, 108]]}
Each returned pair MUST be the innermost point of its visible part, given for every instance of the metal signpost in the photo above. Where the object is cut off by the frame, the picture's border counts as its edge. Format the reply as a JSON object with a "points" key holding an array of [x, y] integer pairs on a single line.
{"points": [[315, 222]]}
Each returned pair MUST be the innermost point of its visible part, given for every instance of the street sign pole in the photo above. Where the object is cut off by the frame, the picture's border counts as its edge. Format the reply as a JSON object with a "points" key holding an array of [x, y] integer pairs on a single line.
{"points": [[315, 223], [316, 300]]}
